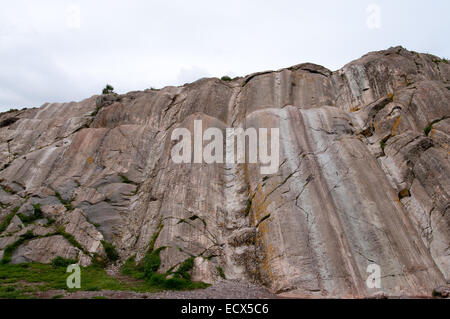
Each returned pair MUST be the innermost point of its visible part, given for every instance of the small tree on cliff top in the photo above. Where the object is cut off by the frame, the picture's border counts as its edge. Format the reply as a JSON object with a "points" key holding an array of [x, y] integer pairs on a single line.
{"points": [[108, 89]]}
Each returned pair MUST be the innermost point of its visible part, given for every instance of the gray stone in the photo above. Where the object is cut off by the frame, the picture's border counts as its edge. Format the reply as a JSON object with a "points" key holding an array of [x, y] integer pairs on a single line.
{"points": [[44, 250]]}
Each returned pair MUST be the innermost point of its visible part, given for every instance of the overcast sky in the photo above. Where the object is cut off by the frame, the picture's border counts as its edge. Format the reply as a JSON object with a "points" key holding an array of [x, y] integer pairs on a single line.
{"points": [[59, 51]]}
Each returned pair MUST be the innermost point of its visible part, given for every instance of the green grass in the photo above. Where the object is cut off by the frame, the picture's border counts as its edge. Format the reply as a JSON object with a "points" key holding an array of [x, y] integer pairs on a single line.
{"points": [[7, 188], [131, 269], [40, 277], [25, 280], [63, 262], [221, 272], [14, 292], [183, 270], [151, 262]]}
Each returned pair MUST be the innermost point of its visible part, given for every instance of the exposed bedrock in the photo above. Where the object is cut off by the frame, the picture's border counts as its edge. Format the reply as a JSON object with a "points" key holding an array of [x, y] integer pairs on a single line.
{"points": [[363, 178]]}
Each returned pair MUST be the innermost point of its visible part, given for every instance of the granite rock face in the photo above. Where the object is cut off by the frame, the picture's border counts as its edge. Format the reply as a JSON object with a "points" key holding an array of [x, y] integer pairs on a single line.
{"points": [[364, 178]]}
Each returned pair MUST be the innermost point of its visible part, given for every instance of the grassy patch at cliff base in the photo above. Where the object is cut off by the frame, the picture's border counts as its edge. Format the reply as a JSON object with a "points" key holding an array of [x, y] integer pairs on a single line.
{"points": [[26, 280]]}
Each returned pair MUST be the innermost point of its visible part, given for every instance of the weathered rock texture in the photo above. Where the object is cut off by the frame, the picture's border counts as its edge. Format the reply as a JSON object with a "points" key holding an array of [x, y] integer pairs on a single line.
{"points": [[364, 178]]}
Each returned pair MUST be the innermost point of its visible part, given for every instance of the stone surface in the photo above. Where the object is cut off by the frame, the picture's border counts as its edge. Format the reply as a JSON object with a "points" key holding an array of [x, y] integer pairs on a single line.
{"points": [[44, 250], [364, 177], [15, 225], [85, 233]]}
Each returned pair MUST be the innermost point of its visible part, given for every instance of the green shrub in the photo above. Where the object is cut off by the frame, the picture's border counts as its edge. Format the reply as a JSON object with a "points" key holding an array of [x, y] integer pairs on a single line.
{"points": [[131, 269], [181, 279], [108, 89], [30, 278], [155, 236], [151, 262], [160, 281], [183, 270], [157, 280], [148, 269], [63, 262], [175, 284], [226, 78], [99, 262], [110, 251]]}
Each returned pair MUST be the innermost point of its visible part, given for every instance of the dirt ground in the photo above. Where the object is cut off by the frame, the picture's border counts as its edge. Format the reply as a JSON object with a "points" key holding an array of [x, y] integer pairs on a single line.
{"points": [[222, 290]]}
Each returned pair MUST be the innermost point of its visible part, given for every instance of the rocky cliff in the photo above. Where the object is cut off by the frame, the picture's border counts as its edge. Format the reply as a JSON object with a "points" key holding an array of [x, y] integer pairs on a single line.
{"points": [[364, 179]]}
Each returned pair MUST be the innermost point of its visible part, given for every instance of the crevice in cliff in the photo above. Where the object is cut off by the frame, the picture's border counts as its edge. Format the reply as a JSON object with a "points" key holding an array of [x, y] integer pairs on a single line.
{"points": [[250, 77], [263, 220], [429, 127]]}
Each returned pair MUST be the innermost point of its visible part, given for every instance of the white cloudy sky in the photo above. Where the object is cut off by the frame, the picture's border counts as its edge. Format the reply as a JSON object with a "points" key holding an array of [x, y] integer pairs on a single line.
{"points": [[55, 51]]}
